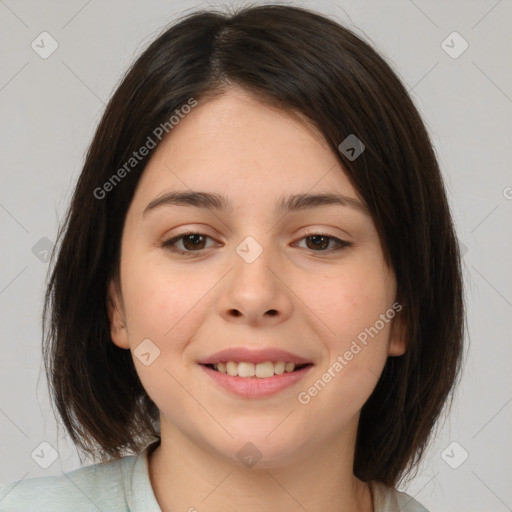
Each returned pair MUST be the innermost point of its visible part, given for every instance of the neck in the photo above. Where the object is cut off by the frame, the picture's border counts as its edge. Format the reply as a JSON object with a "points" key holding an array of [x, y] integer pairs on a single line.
{"points": [[188, 478]]}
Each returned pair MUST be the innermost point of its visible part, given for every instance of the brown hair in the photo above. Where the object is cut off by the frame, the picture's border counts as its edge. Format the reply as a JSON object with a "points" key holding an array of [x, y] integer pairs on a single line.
{"points": [[304, 63]]}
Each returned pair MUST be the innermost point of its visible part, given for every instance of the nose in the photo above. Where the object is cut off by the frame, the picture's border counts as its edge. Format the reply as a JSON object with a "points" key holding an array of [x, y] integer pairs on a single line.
{"points": [[256, 292]]}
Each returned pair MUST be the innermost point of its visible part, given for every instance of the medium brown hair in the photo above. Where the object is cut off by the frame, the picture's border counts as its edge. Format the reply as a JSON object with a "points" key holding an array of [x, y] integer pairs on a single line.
{"points": [[309, 65]]}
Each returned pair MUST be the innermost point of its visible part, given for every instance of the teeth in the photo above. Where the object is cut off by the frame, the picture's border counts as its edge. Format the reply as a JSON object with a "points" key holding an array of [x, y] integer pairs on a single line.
{"points": [[279, 367], [264, 370], [260, 370], [289, 367], [247, 370], [232, 368]]}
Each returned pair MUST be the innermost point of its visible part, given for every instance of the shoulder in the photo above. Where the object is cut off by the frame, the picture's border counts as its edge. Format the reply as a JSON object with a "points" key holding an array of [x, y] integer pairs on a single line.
{"points": [[388, 499], [407, 503], [88, 488]]}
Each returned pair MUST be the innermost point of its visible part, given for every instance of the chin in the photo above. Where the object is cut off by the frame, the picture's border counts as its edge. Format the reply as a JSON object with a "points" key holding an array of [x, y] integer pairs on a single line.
{"points": [[254, 450]]}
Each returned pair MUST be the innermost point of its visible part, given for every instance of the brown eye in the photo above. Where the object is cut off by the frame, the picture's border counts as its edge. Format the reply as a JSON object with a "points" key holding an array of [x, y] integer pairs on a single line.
{"points": [[191, 242], [194, 241], [318, 242]]}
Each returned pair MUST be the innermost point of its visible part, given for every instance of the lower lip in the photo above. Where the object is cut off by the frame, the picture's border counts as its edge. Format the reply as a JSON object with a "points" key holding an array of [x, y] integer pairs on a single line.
{"points": [[254, 387]]}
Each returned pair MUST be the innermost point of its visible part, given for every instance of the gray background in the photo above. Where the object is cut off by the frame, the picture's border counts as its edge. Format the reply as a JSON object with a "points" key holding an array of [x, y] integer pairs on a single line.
{"points": [[50, 108]]}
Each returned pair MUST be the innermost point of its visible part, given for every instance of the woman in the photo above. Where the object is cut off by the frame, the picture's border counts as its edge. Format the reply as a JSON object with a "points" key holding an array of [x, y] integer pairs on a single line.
{"points": [[258, 270]]}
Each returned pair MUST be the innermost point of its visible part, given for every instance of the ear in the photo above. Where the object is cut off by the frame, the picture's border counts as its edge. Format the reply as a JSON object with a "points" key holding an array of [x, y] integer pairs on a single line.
{"points": [[118, 330], [398, 336]]}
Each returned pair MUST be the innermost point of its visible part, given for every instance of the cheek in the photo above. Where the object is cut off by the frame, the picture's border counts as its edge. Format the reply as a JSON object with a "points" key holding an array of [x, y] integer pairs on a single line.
{"points": [[163, 309], [159, 303], [352, 305], [349, 304]]}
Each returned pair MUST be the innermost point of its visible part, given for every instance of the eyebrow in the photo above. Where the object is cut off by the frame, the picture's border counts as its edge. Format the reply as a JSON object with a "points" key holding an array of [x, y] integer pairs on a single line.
{"points": [[294, 202]]}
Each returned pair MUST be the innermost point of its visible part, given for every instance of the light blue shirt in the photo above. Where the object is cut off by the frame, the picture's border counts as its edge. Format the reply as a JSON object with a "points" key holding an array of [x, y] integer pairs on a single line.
{"points": [[123, 485]]}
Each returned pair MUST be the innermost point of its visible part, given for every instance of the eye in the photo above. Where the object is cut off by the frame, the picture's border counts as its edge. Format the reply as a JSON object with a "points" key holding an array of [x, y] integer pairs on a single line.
{"points": [[195, 242], [320, 241], [192, 242]]}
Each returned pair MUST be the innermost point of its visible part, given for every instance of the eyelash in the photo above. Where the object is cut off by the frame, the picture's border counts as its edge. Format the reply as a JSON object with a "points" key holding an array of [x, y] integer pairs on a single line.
{"points": [[168, 244]]}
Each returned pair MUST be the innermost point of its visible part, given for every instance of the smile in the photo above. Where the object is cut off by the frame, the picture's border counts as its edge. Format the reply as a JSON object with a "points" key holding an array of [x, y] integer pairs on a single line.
{"points": [[255, 373], [261, 385], [260, 370]]}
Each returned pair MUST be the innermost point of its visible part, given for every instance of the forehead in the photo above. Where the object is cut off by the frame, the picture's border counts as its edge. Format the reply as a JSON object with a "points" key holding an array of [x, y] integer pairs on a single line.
{"points": [[239, 147]]}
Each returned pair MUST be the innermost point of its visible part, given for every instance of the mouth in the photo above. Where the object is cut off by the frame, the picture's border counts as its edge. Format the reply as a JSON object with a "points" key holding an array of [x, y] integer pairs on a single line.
{"points": [[263, 370], [255, 373]]}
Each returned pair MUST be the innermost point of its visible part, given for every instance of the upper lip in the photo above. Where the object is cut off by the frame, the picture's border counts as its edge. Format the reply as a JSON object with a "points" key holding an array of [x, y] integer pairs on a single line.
{"points": [[243, 354]]}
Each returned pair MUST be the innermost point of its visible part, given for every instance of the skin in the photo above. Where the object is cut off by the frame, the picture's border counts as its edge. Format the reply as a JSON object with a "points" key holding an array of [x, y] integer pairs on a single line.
{"points": [[297, 297]]}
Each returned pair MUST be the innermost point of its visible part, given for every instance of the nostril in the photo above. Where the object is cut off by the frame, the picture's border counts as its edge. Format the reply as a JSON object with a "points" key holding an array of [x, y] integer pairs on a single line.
{"points": [[271, 312]]}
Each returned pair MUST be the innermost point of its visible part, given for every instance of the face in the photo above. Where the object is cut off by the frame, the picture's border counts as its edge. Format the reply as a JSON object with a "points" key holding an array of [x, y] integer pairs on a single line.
{"points": [[309, 281]]}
